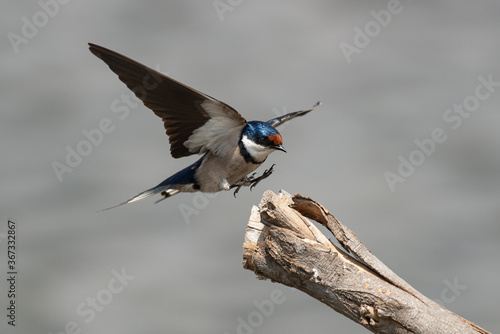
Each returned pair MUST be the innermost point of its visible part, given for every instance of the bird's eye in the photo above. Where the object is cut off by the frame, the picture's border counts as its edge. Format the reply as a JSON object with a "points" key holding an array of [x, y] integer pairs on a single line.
{"points": [[263, 140]]}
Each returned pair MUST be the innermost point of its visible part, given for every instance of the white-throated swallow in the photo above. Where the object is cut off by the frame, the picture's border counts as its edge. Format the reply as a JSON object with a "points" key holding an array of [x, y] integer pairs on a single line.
{"points": [[199, 124]]}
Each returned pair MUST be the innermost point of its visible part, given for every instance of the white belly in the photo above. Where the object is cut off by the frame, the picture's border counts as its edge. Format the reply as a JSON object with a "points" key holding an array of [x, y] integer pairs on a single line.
{"points": [[214, 169]]}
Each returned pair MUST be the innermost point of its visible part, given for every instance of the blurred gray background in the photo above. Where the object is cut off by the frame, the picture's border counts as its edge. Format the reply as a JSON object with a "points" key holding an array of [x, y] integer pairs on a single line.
{"points": [[437, 229]]}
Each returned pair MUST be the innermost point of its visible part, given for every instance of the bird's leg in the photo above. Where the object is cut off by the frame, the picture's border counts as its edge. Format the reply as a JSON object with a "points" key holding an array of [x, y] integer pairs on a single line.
{"points": [[251, 181], [264, 175]]}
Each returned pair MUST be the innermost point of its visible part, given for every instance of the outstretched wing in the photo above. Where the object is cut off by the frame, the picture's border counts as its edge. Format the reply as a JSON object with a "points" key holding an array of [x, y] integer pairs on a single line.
{"points": [[282, 119], [195, 122]]}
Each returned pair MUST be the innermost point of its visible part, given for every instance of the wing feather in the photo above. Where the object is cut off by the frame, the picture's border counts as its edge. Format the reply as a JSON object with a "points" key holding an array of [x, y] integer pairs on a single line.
{"points": [[282, 119], [187, 114]]}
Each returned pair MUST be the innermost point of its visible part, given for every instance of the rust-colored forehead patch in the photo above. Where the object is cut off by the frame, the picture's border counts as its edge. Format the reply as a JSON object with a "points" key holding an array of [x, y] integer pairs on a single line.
{"points": [[276, 139]]}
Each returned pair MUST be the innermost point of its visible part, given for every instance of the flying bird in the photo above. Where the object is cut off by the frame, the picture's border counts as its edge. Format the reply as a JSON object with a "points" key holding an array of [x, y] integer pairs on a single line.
{"points": [[196, 123]]}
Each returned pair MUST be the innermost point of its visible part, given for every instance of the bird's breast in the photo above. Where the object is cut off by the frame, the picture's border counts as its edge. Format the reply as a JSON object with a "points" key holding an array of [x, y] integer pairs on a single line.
{"points": [[214, 169]]}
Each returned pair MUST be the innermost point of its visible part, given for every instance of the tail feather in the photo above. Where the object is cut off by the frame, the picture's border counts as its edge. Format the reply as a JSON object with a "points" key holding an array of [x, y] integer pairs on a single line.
{"points": [[183, 180], [167, 193], [165, 190]]}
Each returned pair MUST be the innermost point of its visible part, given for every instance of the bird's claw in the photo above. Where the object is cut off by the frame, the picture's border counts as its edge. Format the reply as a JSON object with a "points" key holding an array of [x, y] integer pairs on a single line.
{"points": [[251, 181]]}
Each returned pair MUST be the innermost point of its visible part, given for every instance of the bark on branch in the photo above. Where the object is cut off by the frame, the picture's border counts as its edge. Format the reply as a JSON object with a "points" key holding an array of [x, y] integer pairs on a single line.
{"points": [[282, 245]]}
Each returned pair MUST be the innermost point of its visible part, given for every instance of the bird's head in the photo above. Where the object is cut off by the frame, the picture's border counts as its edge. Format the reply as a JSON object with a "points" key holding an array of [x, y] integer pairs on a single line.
{"points": [[258, 140]]}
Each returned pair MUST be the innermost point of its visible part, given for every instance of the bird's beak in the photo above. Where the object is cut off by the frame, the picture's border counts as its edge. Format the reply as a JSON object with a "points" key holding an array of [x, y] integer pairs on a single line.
{"points": [[280, 148]]}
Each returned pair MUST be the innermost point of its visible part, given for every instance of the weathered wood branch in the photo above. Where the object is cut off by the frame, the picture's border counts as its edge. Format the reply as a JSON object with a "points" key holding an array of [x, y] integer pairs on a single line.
{"points": [[282, 245]]}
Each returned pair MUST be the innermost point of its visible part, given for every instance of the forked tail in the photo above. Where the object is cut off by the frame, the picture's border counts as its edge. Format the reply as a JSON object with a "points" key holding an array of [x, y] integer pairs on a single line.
{"points": [[165, 190], [183, 180]]}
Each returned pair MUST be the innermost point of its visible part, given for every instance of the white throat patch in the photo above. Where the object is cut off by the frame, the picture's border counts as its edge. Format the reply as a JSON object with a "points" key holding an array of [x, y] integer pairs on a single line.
{"points": [[258, 152]]}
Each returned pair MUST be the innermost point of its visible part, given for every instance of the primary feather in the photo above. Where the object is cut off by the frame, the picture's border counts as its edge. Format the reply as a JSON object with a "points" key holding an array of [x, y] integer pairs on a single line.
{"points": [[184, 110]]}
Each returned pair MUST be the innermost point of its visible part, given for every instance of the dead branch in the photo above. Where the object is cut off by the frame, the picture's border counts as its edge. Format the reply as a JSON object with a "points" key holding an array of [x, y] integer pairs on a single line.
{"points": [[282, 245]]}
